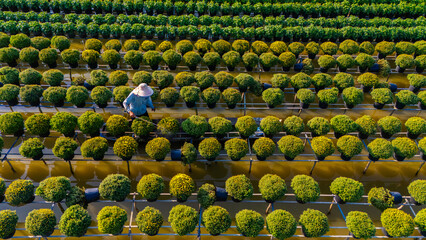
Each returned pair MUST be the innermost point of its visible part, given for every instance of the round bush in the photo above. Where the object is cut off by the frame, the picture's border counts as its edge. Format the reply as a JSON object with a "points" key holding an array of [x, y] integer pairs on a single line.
{"points": [[382, 95], [366, 47], [64, 123], [397, 223], [211, 96], [345, 61], [305, 188], [131, 44], [78, 95], [168, 126], [352, 96], [125, 147], [10, 55], [29, 55], [291, 146], [314, 223], [183, 219], [366, 125], [263, 147], [133, 58], [296, 48], [322, 146], [236, 148], [249, 223], [118, 78], [91, 57], [246, 126], [98, 78], [349, 146], [239, 187], [327, 61], [75, 221], [172, 58], [241, 46], [364, 60], [329, 48], [184, 46], [64, 148], [209, 148], [162, 78], [191, 59], [406, 97], [420, 220], [165, 45], [281, 224], [113, 44], [380, 148], [117, 125], [149, 221], [272, 187], [115, 187], [93, 44], [101, 95], [347, 189], [216, 220], [182, 186], [343, 80], [250, 60], [90, 122], [231, 59], [318, 125], [11, 123], [273, 96], [301, 80], [415, 125], [111, 57], [30, 76], [195, 126], [111, 220], [349, 47], [404, 147], [94, 148], [212, 59], [38, 124], [9, 75], [279, 80], [19, 192], [121, 93], [20, 41], [231, 97], [53, 77], [385, 48], [271, 125], [148, 45], [142, 126], [293, 125], [8, 221], [32, 148], [380, 198], [158, 148], [389, 125], [71, 56], [416, 189], [40, 222], [204, 79], [142, 77], [360, 225], [342, 124], [203, 46], [206, 195], [321, 80], [150, 186], [415, 80], [190, 94], [60, 42]]}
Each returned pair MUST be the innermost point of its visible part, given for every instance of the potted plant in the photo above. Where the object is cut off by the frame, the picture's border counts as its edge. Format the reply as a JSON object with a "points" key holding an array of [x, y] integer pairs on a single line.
{"points": [[416, 81], [221, 46], [271, 125], [31, 94], [8, 219], [389, 125], [216, 220], [94, 148], [9, 55], [360, 225], [20, 41], [346, 190], [364, 61], [91, 57], [416, 189], [40, 222], [162, 78], [150, 187], [241, 46], [381, 96], [211, 59], [184, 79], [352, 96], [268, 60], [422, 147], [279, 80], [75, 221], [117, 125], [112, 58], [326, 62], [90, 123], [182, 186], [120, 93], [322, 147], [296, 48], [291, 146], [71, 57], [250, 60], [101, 95], [168, 126], [54, 189], [293, 125], [403, 62], [77, 196], [149, 221], [231, 59], [366, 47], [249, 223], [349, 146], [344, 62], [195, 126], [32, 148], [349, 47], [343, 80], [9, 75], [273, 97], [380, 198], [125, 147], [314, 223], [191, 59], [49, 56], [204, 79], [64, 148], [209, 148], [318, 126], [211, 96], [385, 48], [183, 219], [142, 126], [263, 148], [12, 123], [342, 125], [133, 58], [115, 187], [368, 81], [321, 81], [19, 192], [118, 78], [419, 61], [53, 77], [236, 148], [379, 148], [60, 42], [246, 126], [300, 80], [272, 187], [158, 148], [64, 123], [169, 96], [313, 49], [397, 223], [29, 55], [419, 220], [244, 81], [220, 126], [190, 95], [98, 78], [111, 220], [239, 187], [172, 58], [203, 46], [404, 148], [281, 224], [113, 44], [30, 76], [231, 97], [9, 93], [405, 97], [77, 95], [366, 126], [329, 48], [38, 124]]}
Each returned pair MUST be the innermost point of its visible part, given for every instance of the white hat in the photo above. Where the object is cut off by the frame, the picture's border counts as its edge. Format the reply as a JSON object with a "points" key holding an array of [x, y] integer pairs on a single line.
{"points": [[143, 90]]}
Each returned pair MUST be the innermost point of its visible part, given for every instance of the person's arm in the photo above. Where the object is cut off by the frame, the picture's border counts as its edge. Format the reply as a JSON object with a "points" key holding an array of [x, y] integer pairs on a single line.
{"points": [[150, 104], [127, 102]]}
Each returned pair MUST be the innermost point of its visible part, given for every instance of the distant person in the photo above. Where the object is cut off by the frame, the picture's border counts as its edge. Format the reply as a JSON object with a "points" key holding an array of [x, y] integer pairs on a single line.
{"points": [[138, 100]]}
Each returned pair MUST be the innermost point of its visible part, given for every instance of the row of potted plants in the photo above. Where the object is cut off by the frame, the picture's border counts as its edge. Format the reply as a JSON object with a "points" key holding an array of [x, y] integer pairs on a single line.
{"points": [[206, 20], [183, 219], [306, 9]]}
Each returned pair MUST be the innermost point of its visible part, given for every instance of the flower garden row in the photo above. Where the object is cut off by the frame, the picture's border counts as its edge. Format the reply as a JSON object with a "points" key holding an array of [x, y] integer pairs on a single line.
{"points": [[209, 148], [206, 20], [213, 8], [184, 219]]}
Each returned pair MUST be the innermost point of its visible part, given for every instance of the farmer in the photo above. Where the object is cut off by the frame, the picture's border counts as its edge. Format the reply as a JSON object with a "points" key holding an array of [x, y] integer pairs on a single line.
{"points": [[138, 100]]}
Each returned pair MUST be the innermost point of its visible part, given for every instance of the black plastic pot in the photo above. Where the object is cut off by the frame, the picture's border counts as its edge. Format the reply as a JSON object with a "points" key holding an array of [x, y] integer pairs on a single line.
{"points": [[349, 106], [378, 105], [73, 65], [221, 194], [211, 105], [399, 105], [400, 69], [192, 68], [231, 106], [319, 158], [12, 64], [341, 69], [419, 69], [70, 134], [135, 67], [235, 200], [374, 68], [300, 201], [362, 135], [338, 135], [423, 156], [311, 56], [70, 158], [345, 158], [398, 157], [414, 89], [13, 102], [339, 200], [91, 194], [93, 65], [362, 69], [176, 154], [230, 68], [266, 69], [102, 105], [242, 89], [170, 105], [34, 64], [81, 105], [190, 104], [249, 69], [374, 159], [18, 133], [172, 67], [153, 68], [286, 69], [365, 89], [45, 134], [99, 158], [113, 66], [393, 87], [35, 103], [211, 68], [260, 158], [323, 70], [38, 157], [397, 197], [381, 56], [385, 134], [323, 105], [304, 105], [52, 65], [288, 158], [421, 106], [412, 136]]}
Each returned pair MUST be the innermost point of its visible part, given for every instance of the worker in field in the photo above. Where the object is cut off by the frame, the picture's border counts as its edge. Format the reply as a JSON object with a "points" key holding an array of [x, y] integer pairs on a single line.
{"points": [[139, 100]]}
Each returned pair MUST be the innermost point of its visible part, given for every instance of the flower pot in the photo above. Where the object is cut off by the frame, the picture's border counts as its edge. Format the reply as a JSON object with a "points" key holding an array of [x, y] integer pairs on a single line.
{"points": [[231, 69], [345, 158], [172, 68], [288, 158], [349, 106], [18, 133], [393, 87], [38, 157], [88, 86], [190, 104], [181, 200], [153, 68], [421, 106], [135, 67], [378, 105], [93, 65], [45, 134], [412, 136], [101, 105], [422, 155], [323, 70], [169, 105], [192, 68], [211, 105], [13, 102], [317, 89], [414, 89], [365, 89], [298, 67], [231, 106], [242, 89], [260, 158], [113, 66], [413, 201], [374, 68], [235, 200], [59, 104], [398, 157], [300, 201], [319, 158], [266, 69], [374, 159], [271, 106], [249, 69], [385, 134], [362, 135], [323, 105], [34, 64], [304, 105], [419, 69], [52, 65], [381, 56], [70, 134], [211, 68], [35, 103], [397, 197], [400, 69], [422, 232], [73, 65], [91, 194], [176, 154], [221, 194], [399, 105], [238, 159], [69, 158], [311, 56], [339, 200], [341, 69], [338, 135], [81, 105], [99, 158], [286, 69], [362, 69]]}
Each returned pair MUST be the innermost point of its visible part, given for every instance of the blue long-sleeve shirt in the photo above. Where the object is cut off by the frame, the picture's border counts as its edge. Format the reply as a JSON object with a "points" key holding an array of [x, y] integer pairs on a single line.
{"points": [[137, 104]]}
